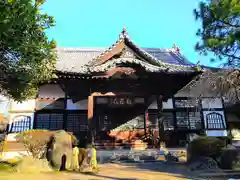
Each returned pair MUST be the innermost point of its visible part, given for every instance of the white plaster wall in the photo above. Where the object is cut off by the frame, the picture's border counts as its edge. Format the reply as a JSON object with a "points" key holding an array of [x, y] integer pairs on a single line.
{"points": [[211, 103], [193, 92], [216, 133], [28, 105], [205, 113], [166, 105], [80, 105], [183, 93], [153, 105], [51, 91], [13, 117]]}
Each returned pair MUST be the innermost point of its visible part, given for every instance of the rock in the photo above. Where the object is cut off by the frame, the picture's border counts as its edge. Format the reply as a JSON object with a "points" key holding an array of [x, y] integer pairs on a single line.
{"points": [[32, 165], [82, 157], [170, 158], [125, 157], [62, 150], [204, 164], [147, 157]]}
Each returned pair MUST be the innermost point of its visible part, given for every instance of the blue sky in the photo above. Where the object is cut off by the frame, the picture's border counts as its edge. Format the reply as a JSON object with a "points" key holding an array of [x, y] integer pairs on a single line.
{"points": [[150, 23]]}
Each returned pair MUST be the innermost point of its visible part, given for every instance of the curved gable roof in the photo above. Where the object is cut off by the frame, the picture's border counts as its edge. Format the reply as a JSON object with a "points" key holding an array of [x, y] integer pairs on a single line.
{"points": [[73, 59]]}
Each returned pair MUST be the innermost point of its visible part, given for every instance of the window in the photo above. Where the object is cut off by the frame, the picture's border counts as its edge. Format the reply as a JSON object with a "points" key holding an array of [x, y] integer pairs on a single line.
{"points": [[50, 104], [168, 121], [215, 121], [50, 121], [153, 120], [189, 120], [186, 103], [77, 122], [20, 124]]}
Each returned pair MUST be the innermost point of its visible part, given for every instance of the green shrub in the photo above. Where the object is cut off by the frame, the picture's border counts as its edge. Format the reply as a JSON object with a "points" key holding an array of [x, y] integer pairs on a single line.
{"points": [[205, 146], [34, 141], [74, 139], [230, 159]]}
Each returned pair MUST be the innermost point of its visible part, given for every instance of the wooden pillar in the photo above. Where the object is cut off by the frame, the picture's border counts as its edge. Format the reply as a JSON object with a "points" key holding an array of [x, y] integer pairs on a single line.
{"points": [[91, 119], [65, 113], [160, 121], [145, 117]]}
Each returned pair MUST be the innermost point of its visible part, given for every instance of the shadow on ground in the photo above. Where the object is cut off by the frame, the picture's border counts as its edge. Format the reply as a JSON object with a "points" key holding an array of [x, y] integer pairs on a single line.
{"points": [[180, 170], [109, 177], [97, 175], [130, 172], [170, 168]]}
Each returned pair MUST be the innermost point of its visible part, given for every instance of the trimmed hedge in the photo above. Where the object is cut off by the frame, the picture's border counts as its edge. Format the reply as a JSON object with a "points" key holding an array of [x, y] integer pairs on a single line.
{"points": [[230, 159], [205, 146], [34, 141]]}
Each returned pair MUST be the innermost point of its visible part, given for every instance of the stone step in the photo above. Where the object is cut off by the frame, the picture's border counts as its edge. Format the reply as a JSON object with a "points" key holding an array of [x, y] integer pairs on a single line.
{"points": [[104, 144]]}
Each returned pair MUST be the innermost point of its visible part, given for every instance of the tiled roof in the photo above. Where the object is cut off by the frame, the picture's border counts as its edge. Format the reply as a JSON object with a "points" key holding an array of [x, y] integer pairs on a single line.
{"points": [[168, 56], [81, 60], [72, 59]]}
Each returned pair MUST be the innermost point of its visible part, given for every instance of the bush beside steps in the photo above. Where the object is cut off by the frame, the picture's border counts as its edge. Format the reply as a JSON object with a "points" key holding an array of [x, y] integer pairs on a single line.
{"points": [[210, 153]]}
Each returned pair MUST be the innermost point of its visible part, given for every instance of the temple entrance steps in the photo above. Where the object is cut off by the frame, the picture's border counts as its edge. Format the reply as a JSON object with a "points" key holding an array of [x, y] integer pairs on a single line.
{"points": [[136, 144], [140, 156]]}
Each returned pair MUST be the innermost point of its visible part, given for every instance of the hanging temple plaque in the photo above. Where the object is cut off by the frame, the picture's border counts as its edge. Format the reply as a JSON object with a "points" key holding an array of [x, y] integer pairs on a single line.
{"points": [[119, 101]]}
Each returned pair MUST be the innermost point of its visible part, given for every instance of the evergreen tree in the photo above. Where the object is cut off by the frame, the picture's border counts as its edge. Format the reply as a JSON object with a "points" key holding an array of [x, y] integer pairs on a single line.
{"points": [[27, 57], [220, 31]]}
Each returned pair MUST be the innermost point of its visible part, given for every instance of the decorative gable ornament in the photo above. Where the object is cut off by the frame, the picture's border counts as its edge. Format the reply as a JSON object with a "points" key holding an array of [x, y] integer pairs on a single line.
{"points": [[127, 53], [124, 33], [176, 48]]}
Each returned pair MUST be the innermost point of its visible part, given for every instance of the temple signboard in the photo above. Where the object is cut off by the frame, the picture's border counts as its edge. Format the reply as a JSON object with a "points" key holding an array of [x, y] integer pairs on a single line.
{"points": [[119, 101]]}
